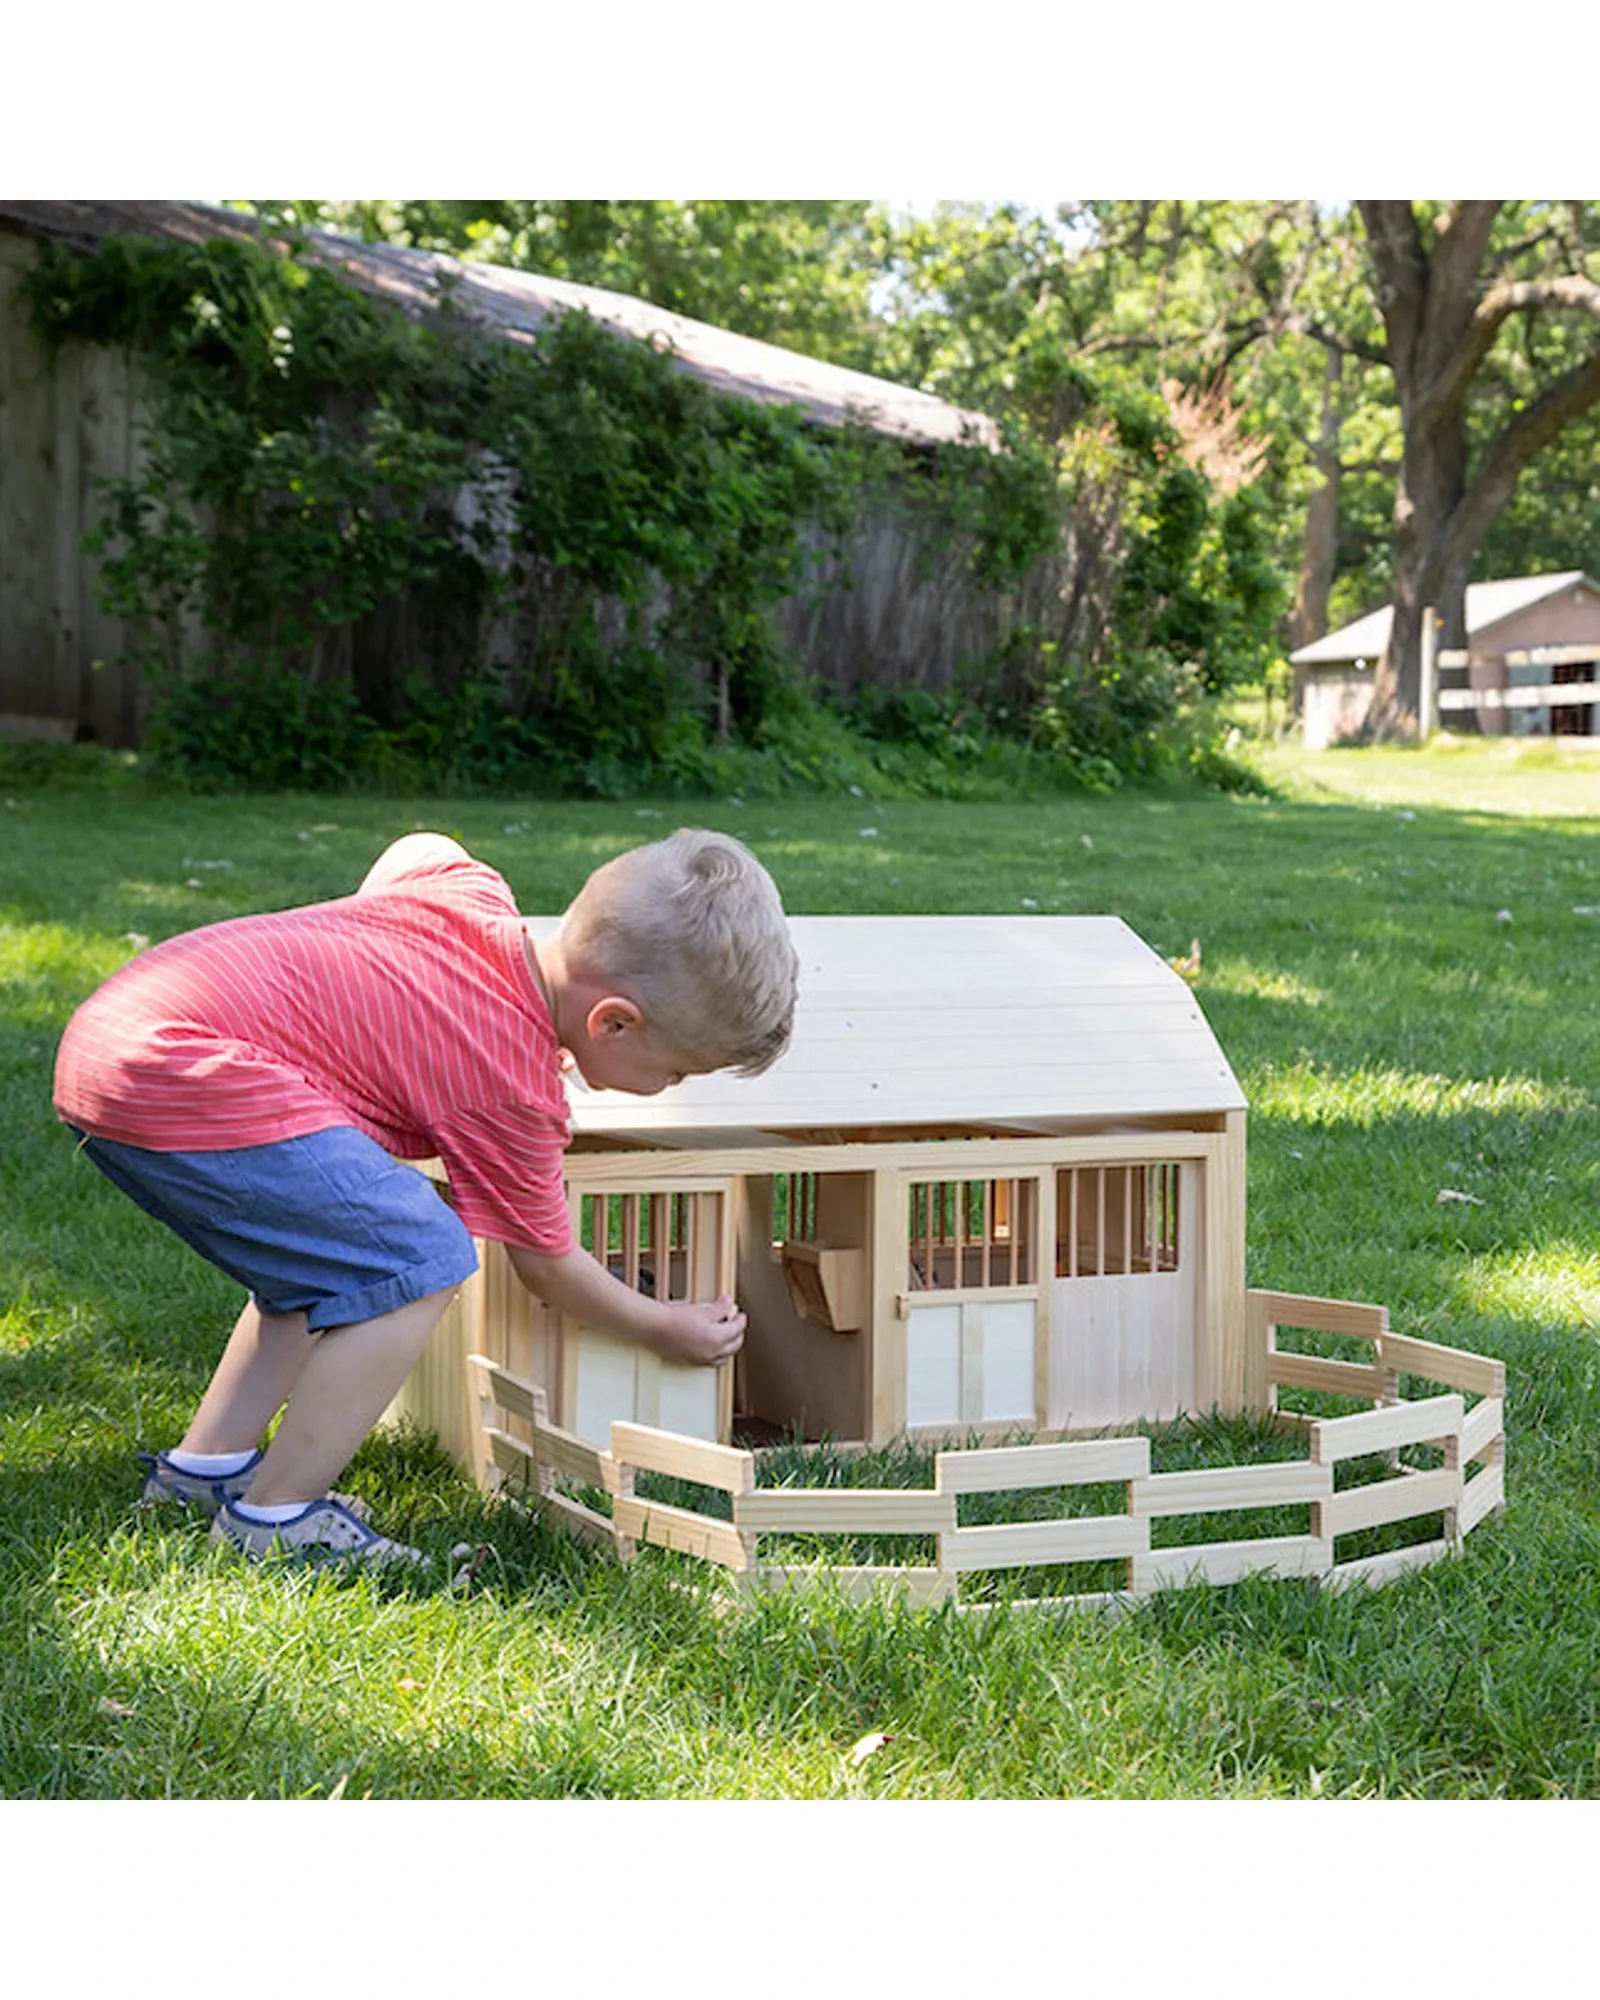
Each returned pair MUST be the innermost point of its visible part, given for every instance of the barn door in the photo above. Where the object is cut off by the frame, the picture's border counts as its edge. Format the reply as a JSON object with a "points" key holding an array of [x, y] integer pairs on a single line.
{"points": [[673, 1245], [973, 1330]]}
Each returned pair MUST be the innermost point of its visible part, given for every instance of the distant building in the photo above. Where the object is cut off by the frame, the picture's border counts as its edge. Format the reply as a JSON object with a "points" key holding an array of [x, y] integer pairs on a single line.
{"points": [[1528, 637]]}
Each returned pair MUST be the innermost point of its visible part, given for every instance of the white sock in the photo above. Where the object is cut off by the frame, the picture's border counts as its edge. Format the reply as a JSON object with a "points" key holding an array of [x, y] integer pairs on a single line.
{"points": [[210, 1464], [280, 1512]]}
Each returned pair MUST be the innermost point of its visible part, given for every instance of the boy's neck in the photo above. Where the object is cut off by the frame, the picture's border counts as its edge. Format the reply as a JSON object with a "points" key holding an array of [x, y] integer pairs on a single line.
{"points": [[545, 963]]}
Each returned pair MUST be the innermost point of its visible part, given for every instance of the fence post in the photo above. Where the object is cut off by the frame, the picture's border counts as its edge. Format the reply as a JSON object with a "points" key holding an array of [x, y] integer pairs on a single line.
{"points": [[1428, 686]]}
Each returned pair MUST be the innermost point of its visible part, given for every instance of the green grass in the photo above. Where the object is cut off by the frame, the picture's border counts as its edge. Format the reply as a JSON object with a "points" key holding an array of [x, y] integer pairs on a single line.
{"points": [[1396, 1035]]}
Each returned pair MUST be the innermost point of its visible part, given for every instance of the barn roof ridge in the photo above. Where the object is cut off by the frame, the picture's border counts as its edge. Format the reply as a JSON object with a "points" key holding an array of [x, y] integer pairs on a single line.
{"points": [[515, 303]]}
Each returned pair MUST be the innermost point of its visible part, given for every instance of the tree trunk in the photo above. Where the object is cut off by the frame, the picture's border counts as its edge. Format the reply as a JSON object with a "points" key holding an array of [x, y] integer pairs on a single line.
{"points": [[1441, 316], [1429, 569], [1308, 619], [1427, 301]]}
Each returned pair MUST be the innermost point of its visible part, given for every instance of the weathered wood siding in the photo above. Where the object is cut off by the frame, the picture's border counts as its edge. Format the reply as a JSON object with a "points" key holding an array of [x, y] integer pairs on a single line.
{"points": [[65, 423], [895, 608]]}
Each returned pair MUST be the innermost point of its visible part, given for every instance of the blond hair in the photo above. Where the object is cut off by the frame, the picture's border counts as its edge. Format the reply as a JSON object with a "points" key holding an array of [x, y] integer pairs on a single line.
{"points": [[692, 930]]}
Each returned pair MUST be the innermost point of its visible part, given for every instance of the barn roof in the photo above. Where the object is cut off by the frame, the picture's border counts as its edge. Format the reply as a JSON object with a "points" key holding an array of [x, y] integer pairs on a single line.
{"points": [[1487, 604], [917, 1021], [516, 304]]}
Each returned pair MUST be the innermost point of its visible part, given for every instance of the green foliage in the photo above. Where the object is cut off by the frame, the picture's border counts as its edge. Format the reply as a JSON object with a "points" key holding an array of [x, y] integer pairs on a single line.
{"points": [[589, 543], [797, 273]]}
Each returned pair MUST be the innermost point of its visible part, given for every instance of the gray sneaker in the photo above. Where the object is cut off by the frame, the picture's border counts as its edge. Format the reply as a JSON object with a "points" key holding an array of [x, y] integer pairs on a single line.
{"points": [[323, 1529], [165, 1484]]}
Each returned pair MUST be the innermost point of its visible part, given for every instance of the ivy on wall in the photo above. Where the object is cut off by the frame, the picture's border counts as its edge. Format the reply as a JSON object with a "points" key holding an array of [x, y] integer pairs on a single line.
{"points": [[359, 548]]}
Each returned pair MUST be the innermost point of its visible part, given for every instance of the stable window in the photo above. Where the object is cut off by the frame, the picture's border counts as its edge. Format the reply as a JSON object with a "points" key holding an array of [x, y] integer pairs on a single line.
{"points": [[971, 1235], [1114, 1221], [794, 1208], [665, 1245]]}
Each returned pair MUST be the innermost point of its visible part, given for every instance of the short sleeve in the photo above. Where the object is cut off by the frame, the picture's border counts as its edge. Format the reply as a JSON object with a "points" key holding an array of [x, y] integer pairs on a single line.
{"points": [[507, 1176]]}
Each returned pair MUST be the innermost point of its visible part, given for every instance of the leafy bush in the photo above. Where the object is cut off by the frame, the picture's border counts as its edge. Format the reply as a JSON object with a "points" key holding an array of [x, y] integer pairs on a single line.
{"points": [[363, 551]]}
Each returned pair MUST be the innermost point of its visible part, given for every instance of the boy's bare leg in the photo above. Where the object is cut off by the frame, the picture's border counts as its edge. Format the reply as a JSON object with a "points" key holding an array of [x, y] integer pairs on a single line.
{"points": [[344, 1386], [259, 1367]]}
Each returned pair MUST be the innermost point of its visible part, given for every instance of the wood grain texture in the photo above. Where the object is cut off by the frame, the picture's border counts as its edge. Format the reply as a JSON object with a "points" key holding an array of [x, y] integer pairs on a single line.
{"points": [[1328, 1378], [1314, 1315], [1480, 1497], [677, 1528], [1482, 1428], [1388, 1500], [1453, 1366], [1335, 1438], [1231, 1488], [843, 1510], [1020, 1468], [1025, 1544], [718, 1465]]}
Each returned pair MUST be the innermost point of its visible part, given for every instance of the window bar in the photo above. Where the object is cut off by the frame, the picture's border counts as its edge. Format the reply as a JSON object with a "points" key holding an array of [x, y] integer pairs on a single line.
{"points": [[1155, 1180], [660, 1238], [1169, 1192], [1176, 1185], [630, 1241], [691, 1244]]}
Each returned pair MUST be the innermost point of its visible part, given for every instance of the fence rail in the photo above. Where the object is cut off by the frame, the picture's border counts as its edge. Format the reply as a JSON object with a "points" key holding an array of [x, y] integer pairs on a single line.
{"points": [[1465, 1487]]}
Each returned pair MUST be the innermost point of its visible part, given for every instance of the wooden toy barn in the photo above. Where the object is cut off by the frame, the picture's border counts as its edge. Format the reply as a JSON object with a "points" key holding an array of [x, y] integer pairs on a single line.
{"points": [[995, 1184], [992, 1196]]}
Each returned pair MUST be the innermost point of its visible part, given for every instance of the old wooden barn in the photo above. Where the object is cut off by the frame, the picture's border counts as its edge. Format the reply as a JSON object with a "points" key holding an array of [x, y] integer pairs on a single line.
{"points": [[70, 421]]}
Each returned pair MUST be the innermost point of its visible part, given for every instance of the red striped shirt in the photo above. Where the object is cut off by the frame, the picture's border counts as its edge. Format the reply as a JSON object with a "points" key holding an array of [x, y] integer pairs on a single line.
{"points": [[409, 1010]]}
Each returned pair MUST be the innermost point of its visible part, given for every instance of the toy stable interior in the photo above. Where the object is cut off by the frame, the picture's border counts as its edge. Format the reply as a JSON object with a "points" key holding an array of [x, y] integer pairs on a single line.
{"points": [[995, 1185]]}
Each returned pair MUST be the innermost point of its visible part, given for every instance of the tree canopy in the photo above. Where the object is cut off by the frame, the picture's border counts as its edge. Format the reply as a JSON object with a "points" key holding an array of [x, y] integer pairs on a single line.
{"points": [[1226, 426]]}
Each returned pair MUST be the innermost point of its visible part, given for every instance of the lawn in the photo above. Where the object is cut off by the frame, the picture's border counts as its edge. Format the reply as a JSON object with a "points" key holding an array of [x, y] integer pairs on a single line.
{"points": [[1399, 956]]}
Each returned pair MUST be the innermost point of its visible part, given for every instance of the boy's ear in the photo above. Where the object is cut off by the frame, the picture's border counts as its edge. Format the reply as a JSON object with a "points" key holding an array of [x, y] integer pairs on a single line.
{"points": [[615, 1015]]}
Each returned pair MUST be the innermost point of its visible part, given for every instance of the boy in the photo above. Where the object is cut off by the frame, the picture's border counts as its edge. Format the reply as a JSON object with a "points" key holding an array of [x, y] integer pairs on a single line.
{"points": [[247, 1084]]}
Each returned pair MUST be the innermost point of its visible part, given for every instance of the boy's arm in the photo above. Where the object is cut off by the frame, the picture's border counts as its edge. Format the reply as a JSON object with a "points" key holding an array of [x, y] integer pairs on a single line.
{"points": [[410, 852], [576, 1284]]}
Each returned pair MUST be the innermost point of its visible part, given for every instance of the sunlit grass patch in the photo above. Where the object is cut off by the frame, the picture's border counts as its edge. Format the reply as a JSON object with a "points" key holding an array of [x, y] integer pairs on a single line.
{"points": [[1554, 1284], [1307, 1094]]}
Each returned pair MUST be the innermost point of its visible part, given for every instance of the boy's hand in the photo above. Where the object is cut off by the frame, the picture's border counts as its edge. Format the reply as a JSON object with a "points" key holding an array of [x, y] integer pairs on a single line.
{"points": [[574, 1283], [701, 1334]]}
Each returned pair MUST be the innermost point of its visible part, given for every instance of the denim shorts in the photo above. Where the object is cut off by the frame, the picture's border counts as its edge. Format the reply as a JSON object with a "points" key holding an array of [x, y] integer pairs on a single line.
{"points": [[328, 1225]]}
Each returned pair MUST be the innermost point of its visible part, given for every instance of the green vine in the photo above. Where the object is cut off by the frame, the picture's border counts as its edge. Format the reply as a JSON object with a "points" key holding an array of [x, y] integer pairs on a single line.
{"points": [[576, 545], [361, 549]]}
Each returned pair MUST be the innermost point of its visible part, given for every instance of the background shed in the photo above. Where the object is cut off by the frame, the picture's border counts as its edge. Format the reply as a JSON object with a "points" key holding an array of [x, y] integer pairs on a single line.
{"points": [[1506, 619]]}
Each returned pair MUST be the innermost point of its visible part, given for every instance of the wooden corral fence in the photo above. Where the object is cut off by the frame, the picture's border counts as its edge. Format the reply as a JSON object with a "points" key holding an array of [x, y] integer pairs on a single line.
{"points": [[524, 1452]]}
